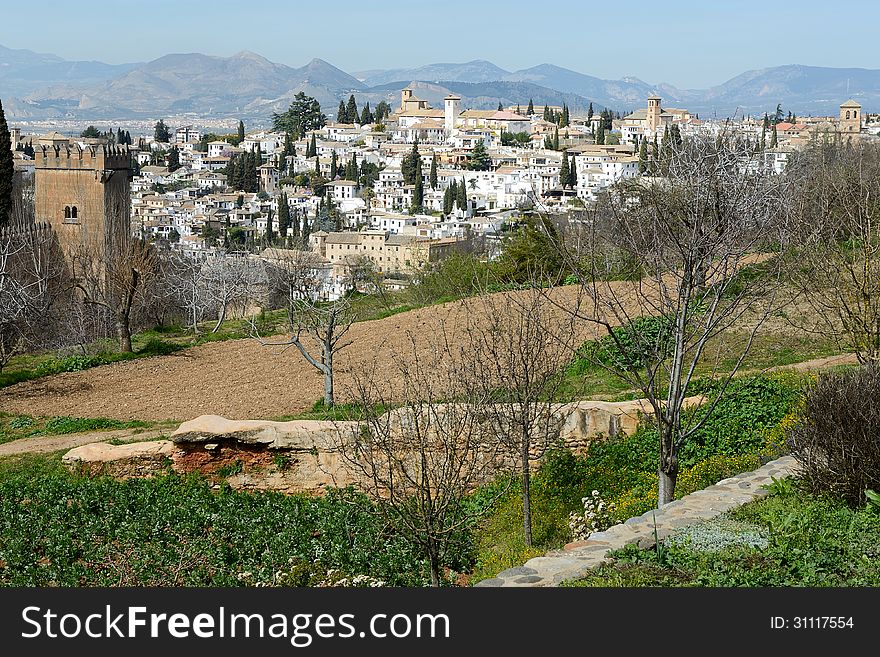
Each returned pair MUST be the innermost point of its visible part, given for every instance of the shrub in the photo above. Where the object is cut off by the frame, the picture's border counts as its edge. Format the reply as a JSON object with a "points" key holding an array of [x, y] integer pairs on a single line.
{"points": [[836, 439]]}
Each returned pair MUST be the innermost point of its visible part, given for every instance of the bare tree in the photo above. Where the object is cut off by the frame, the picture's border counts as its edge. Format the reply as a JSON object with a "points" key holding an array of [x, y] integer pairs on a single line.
{"points": [[836, 267], [186, 283], [419, 461], [232, 280], [520, 344], [30, 276], [317, 328], [112, 278], [682, 244]]}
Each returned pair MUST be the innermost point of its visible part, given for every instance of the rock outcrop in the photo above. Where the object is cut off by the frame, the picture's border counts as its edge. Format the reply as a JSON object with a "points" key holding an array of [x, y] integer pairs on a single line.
{"points": [[142, 459]]}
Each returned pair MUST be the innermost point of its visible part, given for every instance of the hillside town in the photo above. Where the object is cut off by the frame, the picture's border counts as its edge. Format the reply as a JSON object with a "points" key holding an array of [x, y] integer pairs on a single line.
{"points": [[408, 185]]}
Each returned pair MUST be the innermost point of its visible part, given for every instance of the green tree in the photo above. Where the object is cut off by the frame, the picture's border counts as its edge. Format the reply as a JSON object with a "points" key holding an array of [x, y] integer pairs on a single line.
{"points": [[774, 138], [161, 132], [283, 215], [366, 114], [643, 156], [565, 116], [479, 159], [351, 110], [90, 132], [600, 134], [240, 131], [409, 163], [304, 114], [341, 113], [7, 170], [383, 111], [173, 159], [333, 166], [432, 176], [564, 171], [462, 199], [270, 233], [531, 108], [447, 200], [500, 107], [590, 112], [312, 148]]}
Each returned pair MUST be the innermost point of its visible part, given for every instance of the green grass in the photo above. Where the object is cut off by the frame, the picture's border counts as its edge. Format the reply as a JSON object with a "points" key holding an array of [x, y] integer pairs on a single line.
{"points": [[810, 541], [13, 427]]}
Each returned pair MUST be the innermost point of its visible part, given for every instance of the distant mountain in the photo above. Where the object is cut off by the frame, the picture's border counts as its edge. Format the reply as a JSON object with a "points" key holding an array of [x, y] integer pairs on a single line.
{"points": [[24, 71], [247, 85], [801, 89], [478, 70]]}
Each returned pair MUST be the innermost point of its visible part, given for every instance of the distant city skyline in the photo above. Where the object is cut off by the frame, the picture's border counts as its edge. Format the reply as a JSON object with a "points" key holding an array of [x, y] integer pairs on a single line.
{"points": [[691, 45]]}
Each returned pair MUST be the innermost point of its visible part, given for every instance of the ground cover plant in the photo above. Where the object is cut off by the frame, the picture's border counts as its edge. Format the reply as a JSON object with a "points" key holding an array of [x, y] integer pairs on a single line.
{"points": [[741, 434], [63, 529]]}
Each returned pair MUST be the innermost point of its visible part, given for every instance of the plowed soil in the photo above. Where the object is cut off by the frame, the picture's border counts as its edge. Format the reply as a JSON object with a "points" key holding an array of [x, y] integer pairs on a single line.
{"points": [[237, 379]]}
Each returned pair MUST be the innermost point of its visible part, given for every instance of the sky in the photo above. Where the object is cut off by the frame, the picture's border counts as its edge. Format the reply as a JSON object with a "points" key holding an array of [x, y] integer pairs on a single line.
{"points": [[688, 44]]}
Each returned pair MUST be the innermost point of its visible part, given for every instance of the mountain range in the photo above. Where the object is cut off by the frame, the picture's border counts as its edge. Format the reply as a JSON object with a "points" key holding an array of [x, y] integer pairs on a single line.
{"points": [[247, 85]]}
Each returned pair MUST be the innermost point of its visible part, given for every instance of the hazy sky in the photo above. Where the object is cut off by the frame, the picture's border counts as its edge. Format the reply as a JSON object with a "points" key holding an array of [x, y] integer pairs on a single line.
{"points": [[687, 43]]}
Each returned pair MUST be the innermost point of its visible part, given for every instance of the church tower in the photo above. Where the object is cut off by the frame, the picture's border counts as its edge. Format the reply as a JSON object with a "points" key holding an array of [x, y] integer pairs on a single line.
{"points": [[450, 106], [84, 194], [850, 117], [654, 110]]}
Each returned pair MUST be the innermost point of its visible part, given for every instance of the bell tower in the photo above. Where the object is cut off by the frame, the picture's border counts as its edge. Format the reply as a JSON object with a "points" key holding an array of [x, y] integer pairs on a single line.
{"points": [[850, 117], [654, 110]]}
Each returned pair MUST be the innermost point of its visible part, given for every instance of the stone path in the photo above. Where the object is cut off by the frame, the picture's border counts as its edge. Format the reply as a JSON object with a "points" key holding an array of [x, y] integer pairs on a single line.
{"points": [[576, 559]]}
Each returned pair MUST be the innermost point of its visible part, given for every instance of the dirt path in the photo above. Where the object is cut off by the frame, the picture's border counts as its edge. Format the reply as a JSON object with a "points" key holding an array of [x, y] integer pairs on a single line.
{"points": [[46, 444]]}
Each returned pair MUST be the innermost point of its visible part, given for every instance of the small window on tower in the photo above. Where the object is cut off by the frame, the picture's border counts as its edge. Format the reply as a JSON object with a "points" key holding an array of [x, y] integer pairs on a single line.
{"points": [[73, 212], [67, 212]]}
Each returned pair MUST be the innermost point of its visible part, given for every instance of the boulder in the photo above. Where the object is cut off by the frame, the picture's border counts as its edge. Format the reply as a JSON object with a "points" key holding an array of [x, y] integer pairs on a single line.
{"points": [[298, 435]]}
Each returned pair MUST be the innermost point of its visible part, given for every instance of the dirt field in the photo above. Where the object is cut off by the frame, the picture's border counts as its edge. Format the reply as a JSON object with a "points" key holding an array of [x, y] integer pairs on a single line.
{"points": [[237, 379]]}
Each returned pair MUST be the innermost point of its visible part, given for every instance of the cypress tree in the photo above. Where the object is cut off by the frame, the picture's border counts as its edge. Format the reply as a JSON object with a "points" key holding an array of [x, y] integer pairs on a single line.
{"points": [[600, 134], [341, 114], [313, 145], [774, 140], [462, 195], [453, 193], [447, 200], [7, 171], [317, 165], [306, 229], [283, 215], [366, 115], [546, 116], [240, 131], [565, 116], [499, 106], [556, 138], [432, 177], [333, 166], [643, 155], [351, 110], [518, 110], [531, 108], [572, 173], [418, 194], [563, 171], [590, 112], [270, 234]]}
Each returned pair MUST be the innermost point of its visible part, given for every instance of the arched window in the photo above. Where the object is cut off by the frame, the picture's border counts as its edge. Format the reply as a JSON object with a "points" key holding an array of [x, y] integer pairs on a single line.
{"points": [[67, 212], [847, 113], [855, 114], [73, 212]]}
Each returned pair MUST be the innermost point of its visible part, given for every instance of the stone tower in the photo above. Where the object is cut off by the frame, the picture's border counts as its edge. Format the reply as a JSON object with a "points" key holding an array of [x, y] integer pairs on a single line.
{"points": [[850, 117], [654, 110], [84, 194], [450, 106]]}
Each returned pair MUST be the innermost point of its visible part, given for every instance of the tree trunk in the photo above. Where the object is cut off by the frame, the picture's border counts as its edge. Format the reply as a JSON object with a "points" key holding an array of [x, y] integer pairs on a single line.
{"points": [[123, 335], [220, 319], [435, 570], [328, 376], [665, 487], [527, 496]]}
